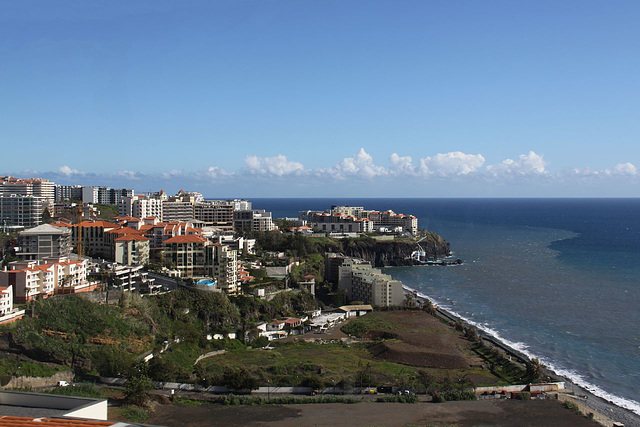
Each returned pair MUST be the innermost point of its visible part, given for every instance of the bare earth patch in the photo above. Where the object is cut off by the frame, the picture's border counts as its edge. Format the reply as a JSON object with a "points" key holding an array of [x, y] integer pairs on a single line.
{"points": [[476, 413]]}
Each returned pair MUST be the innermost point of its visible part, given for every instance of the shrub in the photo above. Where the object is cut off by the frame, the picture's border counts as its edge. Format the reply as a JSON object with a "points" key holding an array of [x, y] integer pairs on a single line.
{"points": [[524, 396], [135, 414], [412, 398], [452, 395], [137, 389], [571, 406]]}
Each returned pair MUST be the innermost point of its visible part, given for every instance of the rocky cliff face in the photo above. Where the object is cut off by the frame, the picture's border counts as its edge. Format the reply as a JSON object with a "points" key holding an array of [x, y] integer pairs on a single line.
{"points": [[384, 254]]}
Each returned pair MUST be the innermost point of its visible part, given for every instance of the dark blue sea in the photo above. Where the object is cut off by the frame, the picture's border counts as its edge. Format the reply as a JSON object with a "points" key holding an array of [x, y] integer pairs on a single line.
{"points": [[558, 279]]}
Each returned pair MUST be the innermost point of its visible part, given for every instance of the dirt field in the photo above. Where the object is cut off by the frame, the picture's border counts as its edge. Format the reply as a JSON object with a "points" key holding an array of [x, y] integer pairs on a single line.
{"points": [[477, 413]]}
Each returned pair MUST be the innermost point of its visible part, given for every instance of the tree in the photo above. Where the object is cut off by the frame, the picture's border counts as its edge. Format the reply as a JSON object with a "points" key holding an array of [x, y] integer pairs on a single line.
{"points": [[239, 379], [410, 300], [137, 389], [534, 369], [425, 379], [471, 333], [429, 307]]}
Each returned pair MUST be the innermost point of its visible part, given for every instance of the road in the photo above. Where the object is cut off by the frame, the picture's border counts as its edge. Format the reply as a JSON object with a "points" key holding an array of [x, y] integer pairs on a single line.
{"points": [[166, 282]]}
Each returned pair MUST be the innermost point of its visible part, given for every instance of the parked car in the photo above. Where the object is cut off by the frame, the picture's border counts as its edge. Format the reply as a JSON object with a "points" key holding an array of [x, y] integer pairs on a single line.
{"points": [[63, 384]]}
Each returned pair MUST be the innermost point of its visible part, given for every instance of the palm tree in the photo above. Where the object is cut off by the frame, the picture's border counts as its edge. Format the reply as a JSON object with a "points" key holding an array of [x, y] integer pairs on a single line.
{"points": [[534, 369]]}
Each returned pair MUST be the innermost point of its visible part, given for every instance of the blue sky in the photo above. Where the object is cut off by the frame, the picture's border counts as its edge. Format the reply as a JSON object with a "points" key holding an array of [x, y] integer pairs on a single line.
{"points": [[301, 98]]}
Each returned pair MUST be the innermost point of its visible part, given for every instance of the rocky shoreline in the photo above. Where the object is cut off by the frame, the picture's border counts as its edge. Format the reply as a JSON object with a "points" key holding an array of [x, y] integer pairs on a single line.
{"points": [[603, 406]]}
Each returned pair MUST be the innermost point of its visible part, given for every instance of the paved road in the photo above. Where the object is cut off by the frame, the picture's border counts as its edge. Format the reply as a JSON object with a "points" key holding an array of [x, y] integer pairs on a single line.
{"points": [[166, 282]]}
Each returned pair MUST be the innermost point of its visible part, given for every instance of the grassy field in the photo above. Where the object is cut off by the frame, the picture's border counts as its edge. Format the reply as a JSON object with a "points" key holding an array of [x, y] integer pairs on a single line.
{"points": [[18, 368], [401, 346]]}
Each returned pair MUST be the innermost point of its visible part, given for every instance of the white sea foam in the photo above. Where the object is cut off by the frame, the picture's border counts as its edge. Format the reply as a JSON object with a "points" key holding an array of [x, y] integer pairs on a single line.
{"points": [[572, 375]]}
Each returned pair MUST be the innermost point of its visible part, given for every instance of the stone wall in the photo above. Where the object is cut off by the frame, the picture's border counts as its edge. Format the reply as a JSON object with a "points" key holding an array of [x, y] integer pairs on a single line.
{"points": [[36, 382]]}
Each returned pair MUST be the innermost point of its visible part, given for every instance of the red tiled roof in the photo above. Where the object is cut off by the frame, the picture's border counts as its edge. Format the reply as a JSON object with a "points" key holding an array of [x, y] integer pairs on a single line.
{"points": [[6, 420], [130, 237], [124, 230], [103, 224], [190, 238]]}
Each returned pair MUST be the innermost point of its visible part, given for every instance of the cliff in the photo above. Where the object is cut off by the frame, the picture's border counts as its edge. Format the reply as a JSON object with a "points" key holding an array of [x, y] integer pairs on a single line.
{"points": [[395, 253]]}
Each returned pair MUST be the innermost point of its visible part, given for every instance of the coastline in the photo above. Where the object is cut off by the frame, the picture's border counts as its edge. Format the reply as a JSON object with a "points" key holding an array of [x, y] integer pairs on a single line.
{"points": [[587, 397]]}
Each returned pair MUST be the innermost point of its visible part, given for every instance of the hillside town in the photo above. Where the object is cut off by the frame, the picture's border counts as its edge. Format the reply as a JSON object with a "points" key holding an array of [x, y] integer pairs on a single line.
{"points": [[71, 239]]}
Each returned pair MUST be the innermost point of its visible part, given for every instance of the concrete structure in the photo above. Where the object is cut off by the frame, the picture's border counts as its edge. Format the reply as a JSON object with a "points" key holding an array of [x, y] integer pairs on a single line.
{"points": [[131, 249], [95, 241], [364, 283], [140, 206], [336, 223], [30, 409], [348, 219], [68, 192], [41, 188], [224, 262], [177, 210], [44, 241], [188, 254], [215, 213], [21, 210], [253, 220], [308, 283], [391, 220], [131, 278], [105, 195]]}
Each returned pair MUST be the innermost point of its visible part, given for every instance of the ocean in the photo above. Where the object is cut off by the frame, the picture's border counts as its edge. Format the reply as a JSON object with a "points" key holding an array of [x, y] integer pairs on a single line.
{"points": [[558, 279]]}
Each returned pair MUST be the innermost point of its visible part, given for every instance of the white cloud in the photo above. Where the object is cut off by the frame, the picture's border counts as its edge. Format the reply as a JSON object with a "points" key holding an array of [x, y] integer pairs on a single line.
{"points": [[361, 165], [127, 174], [66, 170], [527, 164], [277, 165], [453, 163], [625, 169], [402, 165], [215, 172]]}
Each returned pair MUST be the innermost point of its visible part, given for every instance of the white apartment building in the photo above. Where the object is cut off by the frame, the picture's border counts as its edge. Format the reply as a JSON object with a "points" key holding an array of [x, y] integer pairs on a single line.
{"points": [[105, 195], [140, 206], [390, 219], [364, 283], [41, 188], [224, 263], [6, 300], [30, 279], [253, 220]]}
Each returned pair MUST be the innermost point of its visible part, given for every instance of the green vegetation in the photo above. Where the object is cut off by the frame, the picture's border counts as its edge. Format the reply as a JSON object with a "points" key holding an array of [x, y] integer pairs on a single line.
{"points": [[300, 364], [500, 366], [412, 398], [375, 321], [188, 402], [571, 406], [452, 395], [78, 390], [234, 400], [97, 339], [107, 212], [17, 368], [134, 414]]}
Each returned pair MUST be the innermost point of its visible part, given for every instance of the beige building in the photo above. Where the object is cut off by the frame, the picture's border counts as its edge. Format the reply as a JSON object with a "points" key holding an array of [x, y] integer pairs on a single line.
{"points": [[131, 249], [369, 285], [188, 255], [224, 267]]}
